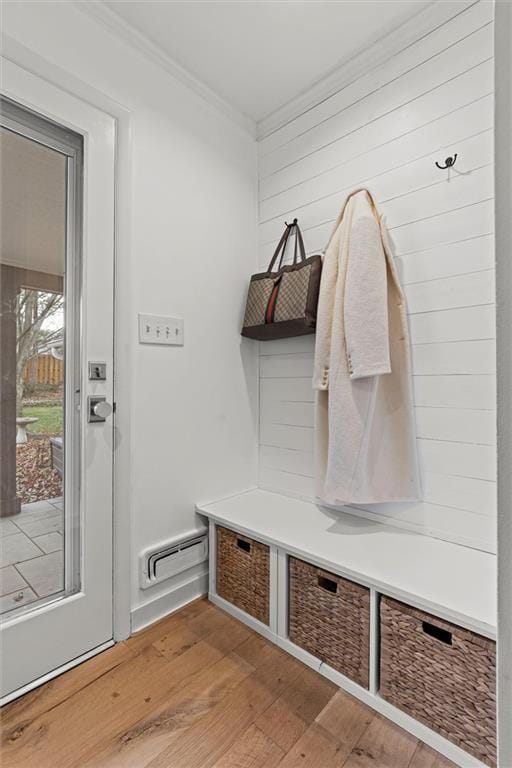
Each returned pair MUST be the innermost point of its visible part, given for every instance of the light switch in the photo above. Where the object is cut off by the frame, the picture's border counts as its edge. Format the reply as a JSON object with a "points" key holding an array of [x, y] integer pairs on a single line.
{"points": [[158, 329]]}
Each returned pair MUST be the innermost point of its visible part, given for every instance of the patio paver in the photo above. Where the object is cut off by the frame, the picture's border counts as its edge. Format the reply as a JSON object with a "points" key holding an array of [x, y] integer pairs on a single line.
{"points": [[49, 542], [16, 548], [37, 527], [28, 516], [31, 554], [34, 508], [7, 528], [10, 580], [44, 574]]}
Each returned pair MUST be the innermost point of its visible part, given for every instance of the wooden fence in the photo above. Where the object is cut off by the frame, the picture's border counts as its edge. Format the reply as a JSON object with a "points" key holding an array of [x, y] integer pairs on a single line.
{"points": [[44, 369]]}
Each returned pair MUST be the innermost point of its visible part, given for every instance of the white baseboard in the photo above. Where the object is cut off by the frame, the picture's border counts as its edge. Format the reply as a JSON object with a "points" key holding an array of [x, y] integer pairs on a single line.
{"points": [[299, 653], [162, 606]]}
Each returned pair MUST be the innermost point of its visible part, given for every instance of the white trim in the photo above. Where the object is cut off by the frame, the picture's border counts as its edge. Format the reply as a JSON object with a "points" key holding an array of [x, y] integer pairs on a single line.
{"points": [[171, 601], [24, 57], [14, 51], [251, 622], [282, 593], [299, 653], [374, 642], [101, 13], [212, 555], [503, 204], [273, 597], [229, 496], [55, 673], [429, 17], [122, 501]]}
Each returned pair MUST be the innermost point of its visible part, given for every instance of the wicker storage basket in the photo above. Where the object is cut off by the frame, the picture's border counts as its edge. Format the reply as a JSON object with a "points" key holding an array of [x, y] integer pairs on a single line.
{"points": [[330, 617], [243, 567], [441, 675]]}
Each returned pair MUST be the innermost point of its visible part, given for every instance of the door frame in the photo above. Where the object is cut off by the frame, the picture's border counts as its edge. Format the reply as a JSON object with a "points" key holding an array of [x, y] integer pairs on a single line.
{"points": [[18, 54], [503, 245]]}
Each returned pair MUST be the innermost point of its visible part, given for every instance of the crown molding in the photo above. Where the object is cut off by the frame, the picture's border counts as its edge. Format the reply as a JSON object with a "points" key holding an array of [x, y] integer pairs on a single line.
{"points": [[101, 13], [431, 15]]}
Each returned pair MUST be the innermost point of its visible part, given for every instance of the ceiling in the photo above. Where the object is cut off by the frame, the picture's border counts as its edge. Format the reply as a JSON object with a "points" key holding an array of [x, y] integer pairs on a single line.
{"points": [[33, 205], [258, 54]]}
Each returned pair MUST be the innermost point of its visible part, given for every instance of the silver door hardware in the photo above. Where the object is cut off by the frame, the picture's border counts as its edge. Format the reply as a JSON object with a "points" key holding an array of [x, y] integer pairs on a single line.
{"points": [[97, 408], [97, 371]]}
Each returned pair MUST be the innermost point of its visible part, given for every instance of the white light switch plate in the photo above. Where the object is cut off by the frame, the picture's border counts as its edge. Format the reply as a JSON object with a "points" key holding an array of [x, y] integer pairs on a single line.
{"points": [[158, 329]]}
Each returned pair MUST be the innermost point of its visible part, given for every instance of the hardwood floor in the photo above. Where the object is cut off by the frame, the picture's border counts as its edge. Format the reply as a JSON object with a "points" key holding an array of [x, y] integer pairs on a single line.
{"points": [[200, 690]]}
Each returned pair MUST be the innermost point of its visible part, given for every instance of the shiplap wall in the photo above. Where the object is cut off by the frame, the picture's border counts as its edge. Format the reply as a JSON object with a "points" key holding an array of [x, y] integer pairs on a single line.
{"points": [[385, 131]]}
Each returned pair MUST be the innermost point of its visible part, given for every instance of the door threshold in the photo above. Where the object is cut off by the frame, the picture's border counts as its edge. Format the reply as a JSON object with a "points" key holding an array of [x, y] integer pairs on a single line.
{"points": [[55, 673]]}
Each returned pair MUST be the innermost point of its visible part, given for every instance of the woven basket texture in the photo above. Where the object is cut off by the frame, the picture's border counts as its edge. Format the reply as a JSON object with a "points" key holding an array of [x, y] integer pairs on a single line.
{"points": [[243, 573], [449, 687], [332, 625]]}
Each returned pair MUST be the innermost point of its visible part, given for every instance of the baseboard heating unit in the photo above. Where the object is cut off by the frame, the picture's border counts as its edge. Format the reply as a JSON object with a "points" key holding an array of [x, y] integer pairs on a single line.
{"points": [[170, 558]]}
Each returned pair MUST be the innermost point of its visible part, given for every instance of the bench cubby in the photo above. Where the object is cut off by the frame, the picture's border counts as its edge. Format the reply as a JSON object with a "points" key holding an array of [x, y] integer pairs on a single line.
{"points": [[243, 573], [329, 617], [440, 674]]}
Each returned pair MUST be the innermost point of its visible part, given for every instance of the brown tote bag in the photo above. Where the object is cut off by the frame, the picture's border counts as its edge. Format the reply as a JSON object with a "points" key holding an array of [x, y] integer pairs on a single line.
{"points": [[283, 303]]}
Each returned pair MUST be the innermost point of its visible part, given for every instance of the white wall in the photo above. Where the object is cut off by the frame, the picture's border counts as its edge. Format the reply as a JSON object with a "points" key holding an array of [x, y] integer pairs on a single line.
{"points": [[188, 417], [385, 130], [190, 414]]}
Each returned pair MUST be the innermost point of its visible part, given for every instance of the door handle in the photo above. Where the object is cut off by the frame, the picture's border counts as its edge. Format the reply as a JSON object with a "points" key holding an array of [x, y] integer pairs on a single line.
{"points": [[97, 408]]}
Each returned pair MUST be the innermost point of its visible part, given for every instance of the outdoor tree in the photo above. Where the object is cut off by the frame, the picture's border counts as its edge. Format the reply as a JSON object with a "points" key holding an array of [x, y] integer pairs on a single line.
{"points": [[34, 311]]}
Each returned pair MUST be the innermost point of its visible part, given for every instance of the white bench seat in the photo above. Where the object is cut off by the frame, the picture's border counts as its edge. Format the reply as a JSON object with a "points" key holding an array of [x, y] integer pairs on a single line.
{"points": [[448, 580]]}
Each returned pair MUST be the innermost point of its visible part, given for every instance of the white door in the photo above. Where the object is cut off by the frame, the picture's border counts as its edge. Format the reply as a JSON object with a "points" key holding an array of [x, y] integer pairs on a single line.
{"points": [[56, 318]]}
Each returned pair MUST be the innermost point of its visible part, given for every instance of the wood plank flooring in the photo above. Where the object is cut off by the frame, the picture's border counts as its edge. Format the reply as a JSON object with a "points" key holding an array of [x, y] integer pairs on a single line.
{"points": [[200, 690]]}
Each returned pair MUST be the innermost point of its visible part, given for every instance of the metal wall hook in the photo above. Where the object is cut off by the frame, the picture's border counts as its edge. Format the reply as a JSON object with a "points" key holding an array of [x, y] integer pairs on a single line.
{"points": [[448, 163]]}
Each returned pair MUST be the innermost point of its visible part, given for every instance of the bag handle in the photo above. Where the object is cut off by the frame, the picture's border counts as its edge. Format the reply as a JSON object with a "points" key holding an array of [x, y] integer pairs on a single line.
{"points": [[283, 242], [298, 236], [298, 242]]}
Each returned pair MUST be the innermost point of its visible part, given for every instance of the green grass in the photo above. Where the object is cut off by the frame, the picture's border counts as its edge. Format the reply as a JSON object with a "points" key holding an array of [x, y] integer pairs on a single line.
{"points": [[49, 419]]}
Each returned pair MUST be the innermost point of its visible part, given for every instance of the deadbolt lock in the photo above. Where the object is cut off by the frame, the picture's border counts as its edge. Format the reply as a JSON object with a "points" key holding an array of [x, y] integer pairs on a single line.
{"points": [[97, 371]]}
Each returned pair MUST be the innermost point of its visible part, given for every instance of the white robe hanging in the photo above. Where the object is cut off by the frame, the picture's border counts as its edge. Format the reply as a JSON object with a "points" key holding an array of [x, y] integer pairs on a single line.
{"points": [[365, 431]]}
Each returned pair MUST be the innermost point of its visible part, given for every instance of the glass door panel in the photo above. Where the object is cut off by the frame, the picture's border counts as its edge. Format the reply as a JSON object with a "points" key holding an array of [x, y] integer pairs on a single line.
{"points": [[39, 329]]}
